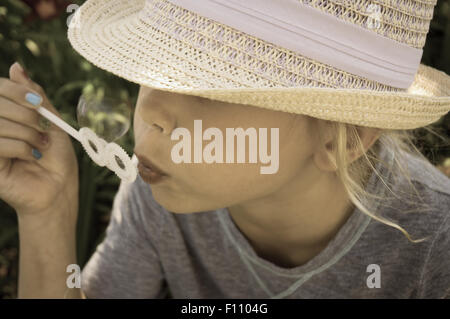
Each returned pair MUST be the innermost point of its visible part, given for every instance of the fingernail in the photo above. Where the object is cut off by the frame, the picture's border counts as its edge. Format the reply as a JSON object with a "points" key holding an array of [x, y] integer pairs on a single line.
{"points": [[44, 138], [44, 123], [33, 98], [22, 70], [19, 66], [36, 153]]}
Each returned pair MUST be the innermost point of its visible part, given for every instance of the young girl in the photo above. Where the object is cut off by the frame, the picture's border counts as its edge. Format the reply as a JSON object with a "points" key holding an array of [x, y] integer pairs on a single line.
{"points": [[352, 211]]}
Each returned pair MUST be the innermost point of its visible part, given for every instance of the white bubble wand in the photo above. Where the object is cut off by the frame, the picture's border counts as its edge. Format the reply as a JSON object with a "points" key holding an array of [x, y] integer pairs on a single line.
{"points": [[101, 152]]}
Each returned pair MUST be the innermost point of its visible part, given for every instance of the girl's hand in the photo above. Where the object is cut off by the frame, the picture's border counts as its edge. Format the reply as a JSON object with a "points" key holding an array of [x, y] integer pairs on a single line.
{"points": [[28, 183]]}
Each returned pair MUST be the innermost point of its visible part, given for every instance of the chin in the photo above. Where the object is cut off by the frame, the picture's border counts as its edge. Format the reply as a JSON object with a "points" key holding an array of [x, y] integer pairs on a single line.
{"points": [[182, 206], [177, 209], [171, 204], [183, 203]]}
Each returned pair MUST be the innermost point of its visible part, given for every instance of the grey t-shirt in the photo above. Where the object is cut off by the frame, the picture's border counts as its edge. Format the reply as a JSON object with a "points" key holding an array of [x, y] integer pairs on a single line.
{"points": [[148, 250]]}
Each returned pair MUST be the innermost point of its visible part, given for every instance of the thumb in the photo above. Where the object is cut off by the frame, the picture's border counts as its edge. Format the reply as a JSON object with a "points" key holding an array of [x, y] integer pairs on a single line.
{"points": [[18, 74]]}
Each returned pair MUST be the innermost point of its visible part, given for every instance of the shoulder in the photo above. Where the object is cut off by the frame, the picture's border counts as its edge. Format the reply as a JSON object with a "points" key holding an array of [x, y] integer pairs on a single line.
{"points": [[141, 194], [424, 184], [417, 197], [433, 187], [425, 174], [136, 211], [151, 217]]}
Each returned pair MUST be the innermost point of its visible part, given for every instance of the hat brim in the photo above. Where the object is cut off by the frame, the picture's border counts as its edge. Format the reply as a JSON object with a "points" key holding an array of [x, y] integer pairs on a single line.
{"points": [[112, 36]]}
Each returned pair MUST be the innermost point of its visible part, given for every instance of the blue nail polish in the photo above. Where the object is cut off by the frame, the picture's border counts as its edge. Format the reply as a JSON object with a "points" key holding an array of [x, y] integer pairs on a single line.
{"points": [[36, 153], [33, 99]]}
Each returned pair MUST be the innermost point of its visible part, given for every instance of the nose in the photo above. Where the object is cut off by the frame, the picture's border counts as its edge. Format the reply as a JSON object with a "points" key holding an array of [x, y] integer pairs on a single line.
{"points": [[157, 116]]}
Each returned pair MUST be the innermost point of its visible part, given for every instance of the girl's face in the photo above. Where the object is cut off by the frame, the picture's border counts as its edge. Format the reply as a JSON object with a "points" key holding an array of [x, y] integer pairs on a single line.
{"points": [[195, 187]]}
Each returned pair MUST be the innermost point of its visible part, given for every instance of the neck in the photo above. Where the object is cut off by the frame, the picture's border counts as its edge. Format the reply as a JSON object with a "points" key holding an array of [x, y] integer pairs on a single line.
{"points": [[295, 223]]}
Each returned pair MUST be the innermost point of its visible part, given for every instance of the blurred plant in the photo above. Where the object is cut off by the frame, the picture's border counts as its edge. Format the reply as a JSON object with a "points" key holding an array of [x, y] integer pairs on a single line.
{"points": [[45, 9], [436, 53], [40, 44]]}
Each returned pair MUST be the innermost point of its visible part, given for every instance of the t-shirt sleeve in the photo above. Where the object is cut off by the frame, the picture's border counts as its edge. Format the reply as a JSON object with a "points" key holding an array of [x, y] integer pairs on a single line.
{"points": [[126, 263], [435, 281]]}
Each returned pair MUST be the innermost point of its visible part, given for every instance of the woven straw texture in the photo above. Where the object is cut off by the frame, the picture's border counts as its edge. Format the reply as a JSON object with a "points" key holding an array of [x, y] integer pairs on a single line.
{"points": [[157, 44], [406, 21]]}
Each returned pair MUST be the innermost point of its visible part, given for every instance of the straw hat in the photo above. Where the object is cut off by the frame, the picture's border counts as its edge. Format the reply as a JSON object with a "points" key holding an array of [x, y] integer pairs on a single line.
{"points": [[356, 61]]}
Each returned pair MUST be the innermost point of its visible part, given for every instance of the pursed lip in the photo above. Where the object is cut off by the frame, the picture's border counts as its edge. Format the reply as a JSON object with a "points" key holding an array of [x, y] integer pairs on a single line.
{"points": [[149, 165]]}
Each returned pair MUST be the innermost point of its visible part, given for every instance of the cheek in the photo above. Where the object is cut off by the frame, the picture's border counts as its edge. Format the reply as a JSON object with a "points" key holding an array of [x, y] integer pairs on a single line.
{"points": [[246, 178], [230, 183], [138, 126]]}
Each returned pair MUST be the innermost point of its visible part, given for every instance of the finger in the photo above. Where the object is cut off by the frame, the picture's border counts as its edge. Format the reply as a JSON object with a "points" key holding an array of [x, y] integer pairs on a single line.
{"points": [[18, 113], [18, 75], [11, 148], [17, 131], [20, 94]]}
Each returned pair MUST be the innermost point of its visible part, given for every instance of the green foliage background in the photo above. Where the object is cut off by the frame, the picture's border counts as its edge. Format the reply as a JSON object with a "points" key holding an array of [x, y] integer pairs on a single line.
{"points": [[43, 49]]}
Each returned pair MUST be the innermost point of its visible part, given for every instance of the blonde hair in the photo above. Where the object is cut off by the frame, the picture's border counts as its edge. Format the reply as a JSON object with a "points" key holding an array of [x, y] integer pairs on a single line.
{"points": [[353, 176]]}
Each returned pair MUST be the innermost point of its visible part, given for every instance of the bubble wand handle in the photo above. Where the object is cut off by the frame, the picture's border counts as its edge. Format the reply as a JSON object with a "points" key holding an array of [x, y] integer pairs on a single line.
{"points": [[60, 123], [101, 152]]}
